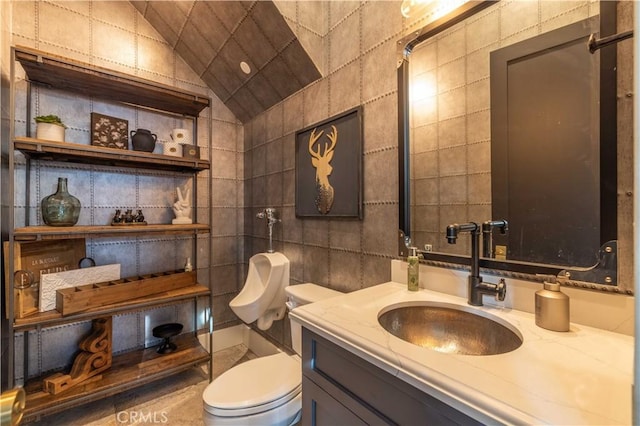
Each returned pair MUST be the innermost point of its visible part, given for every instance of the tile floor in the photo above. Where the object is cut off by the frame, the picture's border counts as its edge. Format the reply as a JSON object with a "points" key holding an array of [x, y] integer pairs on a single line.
{"points": [[174, 401]]}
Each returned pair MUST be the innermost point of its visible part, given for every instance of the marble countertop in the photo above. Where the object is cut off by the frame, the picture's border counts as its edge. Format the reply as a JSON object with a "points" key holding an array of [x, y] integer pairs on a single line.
{"points": [[580, 377]]}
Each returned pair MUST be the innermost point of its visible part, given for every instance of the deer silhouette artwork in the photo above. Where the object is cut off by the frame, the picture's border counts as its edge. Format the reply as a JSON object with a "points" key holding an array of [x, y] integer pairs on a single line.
{"points": [[324, 190]]}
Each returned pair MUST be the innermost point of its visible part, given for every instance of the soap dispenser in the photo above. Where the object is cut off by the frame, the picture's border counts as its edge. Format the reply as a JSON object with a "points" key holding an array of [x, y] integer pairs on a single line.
{"points": [[552, 308], [413, 270]]}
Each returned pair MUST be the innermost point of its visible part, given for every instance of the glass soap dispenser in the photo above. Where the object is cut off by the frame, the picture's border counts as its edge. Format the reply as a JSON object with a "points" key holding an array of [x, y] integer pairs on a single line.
{"points": [[413, 270]]}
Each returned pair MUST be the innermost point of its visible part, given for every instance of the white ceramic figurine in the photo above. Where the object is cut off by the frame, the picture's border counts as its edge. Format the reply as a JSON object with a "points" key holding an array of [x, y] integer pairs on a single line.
{"points": [[182, 208]]}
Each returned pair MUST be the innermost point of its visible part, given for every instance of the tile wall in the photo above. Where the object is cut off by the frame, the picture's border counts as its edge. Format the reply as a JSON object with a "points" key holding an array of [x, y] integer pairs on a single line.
{"points": [[302, 18], [357, 52]]}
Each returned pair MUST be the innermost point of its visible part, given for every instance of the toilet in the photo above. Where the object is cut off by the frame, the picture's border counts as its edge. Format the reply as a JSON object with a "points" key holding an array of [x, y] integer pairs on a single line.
{"points": [[265, 390]]}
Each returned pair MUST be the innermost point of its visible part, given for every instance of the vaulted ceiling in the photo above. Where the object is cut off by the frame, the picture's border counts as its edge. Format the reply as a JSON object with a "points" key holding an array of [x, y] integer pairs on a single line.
{"points": [[215, 37]]}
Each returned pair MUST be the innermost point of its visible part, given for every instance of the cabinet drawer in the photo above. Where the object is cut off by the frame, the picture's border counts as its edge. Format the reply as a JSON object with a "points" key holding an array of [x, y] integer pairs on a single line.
{"points": [[320, 408], [336, 370]]}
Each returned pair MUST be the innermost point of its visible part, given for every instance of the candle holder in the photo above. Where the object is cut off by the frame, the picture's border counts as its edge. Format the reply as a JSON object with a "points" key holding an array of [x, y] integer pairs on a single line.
{"points": [[166, 332]]}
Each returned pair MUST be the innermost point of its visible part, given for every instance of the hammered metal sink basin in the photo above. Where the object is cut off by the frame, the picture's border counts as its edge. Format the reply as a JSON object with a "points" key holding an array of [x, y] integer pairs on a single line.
{"points": [[450, 328]]}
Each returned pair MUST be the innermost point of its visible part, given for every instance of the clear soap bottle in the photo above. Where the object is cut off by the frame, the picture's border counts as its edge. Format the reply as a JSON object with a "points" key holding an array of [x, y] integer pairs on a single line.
{"points": [[413, 270]]}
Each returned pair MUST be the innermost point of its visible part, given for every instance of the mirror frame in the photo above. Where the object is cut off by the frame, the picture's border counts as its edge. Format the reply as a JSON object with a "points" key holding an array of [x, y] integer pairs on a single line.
{"points": [[514, 269]]}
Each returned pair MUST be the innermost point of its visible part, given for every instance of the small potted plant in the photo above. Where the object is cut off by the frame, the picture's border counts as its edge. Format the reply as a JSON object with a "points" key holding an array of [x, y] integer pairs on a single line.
{"points": [[50, 127]]}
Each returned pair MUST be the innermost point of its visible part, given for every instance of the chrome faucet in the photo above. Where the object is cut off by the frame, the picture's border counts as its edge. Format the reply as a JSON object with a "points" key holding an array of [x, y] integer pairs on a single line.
{"points": [[476, 288], [270, 214]]}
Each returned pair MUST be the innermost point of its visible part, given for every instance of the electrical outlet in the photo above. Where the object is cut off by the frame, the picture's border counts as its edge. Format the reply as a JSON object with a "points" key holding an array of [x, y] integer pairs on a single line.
{"points": [[501, 252]]}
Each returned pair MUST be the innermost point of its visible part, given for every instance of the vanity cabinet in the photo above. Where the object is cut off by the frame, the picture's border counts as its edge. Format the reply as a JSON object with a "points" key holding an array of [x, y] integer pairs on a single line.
{"points": [[338, 387], [134, 367]]}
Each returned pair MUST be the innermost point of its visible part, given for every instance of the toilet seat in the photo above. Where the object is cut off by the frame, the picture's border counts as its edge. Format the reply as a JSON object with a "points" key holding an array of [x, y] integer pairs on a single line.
{"points": [[255, 386]]}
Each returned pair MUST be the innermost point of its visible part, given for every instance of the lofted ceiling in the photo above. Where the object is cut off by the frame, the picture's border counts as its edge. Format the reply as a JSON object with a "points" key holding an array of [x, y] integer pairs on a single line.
{"points": [[214, 37]]}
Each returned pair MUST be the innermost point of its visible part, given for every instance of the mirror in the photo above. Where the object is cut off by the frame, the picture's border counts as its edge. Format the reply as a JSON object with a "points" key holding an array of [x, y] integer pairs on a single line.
{"points": [[461, 133]]}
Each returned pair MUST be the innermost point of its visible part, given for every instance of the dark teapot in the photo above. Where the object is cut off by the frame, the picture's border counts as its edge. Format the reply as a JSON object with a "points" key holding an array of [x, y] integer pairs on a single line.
{"points": [[143, 140]]}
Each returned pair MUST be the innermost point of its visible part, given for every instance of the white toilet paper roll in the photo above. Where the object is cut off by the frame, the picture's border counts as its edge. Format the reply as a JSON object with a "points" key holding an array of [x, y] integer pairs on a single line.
{"points": [[172, 148], [181, 136]]}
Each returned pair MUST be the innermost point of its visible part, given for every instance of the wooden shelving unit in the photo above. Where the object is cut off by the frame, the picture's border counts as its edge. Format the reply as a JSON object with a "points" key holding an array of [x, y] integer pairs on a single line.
{"points": [[137, 367]]}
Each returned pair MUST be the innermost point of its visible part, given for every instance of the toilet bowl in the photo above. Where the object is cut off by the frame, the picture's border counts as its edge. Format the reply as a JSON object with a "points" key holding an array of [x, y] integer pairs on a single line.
{"points": [[262, 391], [263, 298], [265, 390]]}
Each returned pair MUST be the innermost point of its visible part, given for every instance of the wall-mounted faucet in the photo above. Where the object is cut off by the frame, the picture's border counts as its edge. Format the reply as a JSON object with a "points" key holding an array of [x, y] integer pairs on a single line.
{"points": [[270, 214], [476, 288]]}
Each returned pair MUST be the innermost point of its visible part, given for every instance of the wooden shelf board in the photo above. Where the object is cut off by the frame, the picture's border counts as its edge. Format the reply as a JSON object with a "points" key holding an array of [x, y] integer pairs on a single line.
{"points": [[128, 371], [90, 80], [36, 233], [53, 317], [77, 153]]}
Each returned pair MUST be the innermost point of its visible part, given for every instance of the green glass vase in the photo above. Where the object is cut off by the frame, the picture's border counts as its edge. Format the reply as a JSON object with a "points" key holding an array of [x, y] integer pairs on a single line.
{"points": [[61, 208]]}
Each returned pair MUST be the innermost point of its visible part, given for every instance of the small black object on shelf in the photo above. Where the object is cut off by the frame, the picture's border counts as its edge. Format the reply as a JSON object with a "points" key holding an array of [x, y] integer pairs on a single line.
{"points": [[167, 331], [128, 218]]}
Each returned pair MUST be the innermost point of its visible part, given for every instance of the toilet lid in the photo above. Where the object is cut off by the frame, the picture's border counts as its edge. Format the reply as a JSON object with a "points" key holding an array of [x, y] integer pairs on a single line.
{"points": [[254, 386]]}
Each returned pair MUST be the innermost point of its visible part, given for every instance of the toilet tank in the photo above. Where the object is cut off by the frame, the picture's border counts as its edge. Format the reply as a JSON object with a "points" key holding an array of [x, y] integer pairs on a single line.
{"points": [[303, 294]]}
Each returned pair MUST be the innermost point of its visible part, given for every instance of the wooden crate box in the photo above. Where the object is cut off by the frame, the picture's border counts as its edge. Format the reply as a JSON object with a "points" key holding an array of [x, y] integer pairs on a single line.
{"points": [[33, 259]]}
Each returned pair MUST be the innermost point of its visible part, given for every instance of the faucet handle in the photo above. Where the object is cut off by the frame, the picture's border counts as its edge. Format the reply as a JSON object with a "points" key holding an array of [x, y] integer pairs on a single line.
{"points": [[501, 290]]}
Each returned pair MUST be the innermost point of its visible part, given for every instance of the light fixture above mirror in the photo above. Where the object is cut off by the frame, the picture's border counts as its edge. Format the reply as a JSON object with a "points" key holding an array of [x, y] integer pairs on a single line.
{"points": [[433, 9]]}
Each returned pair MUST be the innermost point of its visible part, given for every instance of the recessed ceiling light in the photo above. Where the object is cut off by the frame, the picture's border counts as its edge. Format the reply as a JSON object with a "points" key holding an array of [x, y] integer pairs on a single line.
{"points": [[245, 67]]}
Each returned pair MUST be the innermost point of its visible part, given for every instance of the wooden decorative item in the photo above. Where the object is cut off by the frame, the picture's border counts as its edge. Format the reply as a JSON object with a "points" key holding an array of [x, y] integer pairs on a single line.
{"points": [[191, 151], [31, 260], [82, 298], [94, 358], [109, 132]]}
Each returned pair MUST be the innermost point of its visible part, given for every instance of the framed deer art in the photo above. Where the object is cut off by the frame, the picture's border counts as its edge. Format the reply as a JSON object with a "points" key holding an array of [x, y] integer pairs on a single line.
{"points": [[329, 167]]}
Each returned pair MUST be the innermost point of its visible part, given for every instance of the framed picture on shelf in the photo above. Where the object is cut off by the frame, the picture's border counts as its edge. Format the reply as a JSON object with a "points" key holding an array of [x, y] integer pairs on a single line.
{"points": [[329, 167], [109, 132]]}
